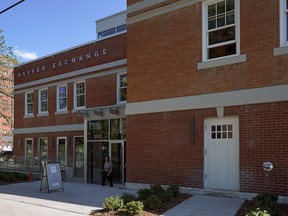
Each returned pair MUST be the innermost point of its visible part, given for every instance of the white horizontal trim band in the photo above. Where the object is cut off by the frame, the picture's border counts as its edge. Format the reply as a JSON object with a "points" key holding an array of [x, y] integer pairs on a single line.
{"points": [[142, 5], [232, 98], [52, 80], [50, 129], [160, 11]]}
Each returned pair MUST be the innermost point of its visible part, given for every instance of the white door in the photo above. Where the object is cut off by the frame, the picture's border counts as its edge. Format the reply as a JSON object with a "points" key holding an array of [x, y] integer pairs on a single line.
{"points": [[221, 144]]}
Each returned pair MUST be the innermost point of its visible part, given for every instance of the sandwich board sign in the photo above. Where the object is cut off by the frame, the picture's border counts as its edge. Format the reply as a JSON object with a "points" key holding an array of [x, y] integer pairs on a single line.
{"points": [[51, 177]]}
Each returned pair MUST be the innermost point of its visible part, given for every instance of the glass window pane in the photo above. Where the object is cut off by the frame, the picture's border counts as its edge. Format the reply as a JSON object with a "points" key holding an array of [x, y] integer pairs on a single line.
{"points": [[30, 108], [218, 135], [222, 35], [230, 5], [224, 135], [213, 128], [98, 130], [81, 101], [123, 121], [79, 157], [123, 94], [287, 25], [44, 106], [123, 80], [230, 136], [218, 127], [224, 127], [217, 52], [211, 10], [121, 28], [62, 103], [211, 23], [61, 152], [213, 135], [221, 20], [230, 127], [115, 129], [221, 7], [230, 18]]}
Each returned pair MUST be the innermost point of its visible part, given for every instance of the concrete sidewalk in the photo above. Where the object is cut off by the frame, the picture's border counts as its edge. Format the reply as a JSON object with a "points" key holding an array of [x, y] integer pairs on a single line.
{"points": [[81, 199]]}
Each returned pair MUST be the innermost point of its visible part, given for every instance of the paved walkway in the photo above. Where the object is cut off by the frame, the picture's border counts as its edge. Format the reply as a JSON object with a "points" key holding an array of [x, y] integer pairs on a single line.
{"points": [[81, 199]]}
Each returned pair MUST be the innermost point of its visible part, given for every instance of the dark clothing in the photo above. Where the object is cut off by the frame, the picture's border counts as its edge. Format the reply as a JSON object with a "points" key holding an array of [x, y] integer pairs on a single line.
{"points": [[110, 178]]}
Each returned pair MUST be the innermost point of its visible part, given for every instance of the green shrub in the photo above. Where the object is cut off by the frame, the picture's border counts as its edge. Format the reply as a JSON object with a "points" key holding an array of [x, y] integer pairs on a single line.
{"points": [[113, 203], [2, 175], [144, 193], [157, 189], [258, 212], [174, 189], [134, 207], [267, 201], [10, 177], [153, 201], [126, 197], [166, 196], [22, 177]]}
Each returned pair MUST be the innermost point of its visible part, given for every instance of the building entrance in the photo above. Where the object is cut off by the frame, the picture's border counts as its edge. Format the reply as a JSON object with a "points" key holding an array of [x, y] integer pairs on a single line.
{"points": [[96, 159]]}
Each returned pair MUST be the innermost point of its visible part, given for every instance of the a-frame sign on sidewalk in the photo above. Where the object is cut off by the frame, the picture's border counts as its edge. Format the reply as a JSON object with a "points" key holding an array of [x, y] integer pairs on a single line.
{"points": [[51, 177]]}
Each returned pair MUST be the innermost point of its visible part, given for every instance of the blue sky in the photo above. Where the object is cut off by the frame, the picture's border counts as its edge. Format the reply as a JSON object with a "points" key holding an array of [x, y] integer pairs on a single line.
{"points": [[35, 28]]}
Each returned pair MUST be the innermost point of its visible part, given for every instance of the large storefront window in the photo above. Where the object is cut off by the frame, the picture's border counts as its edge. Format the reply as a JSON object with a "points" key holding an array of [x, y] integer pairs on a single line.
{"points": [[108, 129]]}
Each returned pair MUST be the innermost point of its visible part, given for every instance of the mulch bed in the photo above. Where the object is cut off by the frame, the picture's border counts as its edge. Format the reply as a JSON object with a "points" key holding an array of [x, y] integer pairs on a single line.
{"points": [[250, 205], [146, 212]]}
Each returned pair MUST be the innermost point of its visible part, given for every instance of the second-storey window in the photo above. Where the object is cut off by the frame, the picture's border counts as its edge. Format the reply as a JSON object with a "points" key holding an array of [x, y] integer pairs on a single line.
{"points": [[62, 98], [122, 87], [29, 103], [220, 29], [284, 22], [79, 95], [43, 101]]}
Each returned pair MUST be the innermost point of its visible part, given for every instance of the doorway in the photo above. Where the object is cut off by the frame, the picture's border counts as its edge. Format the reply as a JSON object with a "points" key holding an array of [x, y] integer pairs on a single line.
{"points": [[221, 153], [96, 159]]}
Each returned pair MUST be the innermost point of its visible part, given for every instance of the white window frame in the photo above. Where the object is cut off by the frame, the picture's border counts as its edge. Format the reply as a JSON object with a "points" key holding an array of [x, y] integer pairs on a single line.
{"points": [[75, 95], [283, 23], [40, 102], [57, 150], [58, 98], [205, 5], [26, 104], [118, 88]]}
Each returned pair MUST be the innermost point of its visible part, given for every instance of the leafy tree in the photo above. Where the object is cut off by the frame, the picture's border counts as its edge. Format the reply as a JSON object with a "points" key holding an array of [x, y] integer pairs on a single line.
{"points": [[7, 61]]}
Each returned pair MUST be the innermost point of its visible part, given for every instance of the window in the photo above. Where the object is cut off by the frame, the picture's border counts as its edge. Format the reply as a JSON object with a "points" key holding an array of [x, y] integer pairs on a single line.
{"points": [[43, 151], [79, 95], [112, 31], [29, 103], [43, 101], [62, 98], [220, 29], [62, 150], [4, 124], [122, 87], [29, 152], [284, 22]]}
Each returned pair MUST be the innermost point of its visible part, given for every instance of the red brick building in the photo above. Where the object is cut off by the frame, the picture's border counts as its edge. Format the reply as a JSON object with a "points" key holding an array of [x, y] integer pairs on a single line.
{"points": [[208, 94], [207, 101], [73, 97]]}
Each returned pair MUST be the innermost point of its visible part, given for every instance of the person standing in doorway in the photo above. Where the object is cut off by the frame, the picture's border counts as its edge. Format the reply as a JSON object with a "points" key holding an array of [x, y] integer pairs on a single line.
{"points": [[107, 172]]}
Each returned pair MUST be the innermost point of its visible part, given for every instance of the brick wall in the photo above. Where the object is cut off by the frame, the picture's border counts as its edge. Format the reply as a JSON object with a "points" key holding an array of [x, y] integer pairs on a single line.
{"points": [[163, 63], [162, 141]]}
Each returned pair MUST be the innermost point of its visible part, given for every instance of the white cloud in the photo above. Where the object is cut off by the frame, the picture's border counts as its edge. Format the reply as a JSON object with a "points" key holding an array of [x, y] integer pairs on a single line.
{"points": [[25, 54]]}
